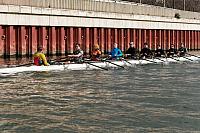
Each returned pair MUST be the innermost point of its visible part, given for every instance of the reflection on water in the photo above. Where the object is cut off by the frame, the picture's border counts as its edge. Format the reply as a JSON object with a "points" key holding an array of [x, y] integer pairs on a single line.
{"points": [[149, 98]]}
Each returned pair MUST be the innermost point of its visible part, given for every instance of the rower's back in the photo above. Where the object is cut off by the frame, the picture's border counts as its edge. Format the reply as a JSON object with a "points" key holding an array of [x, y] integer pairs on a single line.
{"points": [[182, 50], [39, 58], [172, 51]]}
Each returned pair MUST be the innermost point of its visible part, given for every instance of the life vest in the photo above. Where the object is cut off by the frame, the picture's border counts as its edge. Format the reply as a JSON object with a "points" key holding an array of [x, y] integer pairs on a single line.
{"points": [[40, 59], [96, 55]]}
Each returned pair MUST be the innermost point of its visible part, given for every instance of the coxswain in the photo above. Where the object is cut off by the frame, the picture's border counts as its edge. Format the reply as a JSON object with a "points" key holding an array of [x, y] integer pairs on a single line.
{"points": [[96, 53], [77, 57], [145, 52], [172, 51], [131, 53], [182, 50], [116, 53], [159, 52], [40, 58]]}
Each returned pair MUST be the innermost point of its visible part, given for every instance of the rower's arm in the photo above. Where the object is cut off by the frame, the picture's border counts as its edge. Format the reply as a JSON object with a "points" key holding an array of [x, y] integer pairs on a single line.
{"points": [[120, 53], [44, 60]]}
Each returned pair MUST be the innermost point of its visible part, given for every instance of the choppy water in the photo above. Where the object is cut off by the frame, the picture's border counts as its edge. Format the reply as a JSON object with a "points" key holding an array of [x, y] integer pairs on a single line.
{"points": [[149, 98]]}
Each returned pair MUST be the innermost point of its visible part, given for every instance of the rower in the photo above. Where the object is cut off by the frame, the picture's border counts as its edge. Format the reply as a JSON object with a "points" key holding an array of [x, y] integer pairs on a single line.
{"points": [[40, 58], [172, 51], [116, 53], [145, 52], [131, 52], [77, 57], [96, 53], [159, 52], [182, 50]]}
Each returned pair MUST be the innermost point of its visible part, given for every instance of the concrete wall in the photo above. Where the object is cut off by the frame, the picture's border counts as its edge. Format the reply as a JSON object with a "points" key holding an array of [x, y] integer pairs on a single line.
{"points": [[24, 28], [24, 15], [104, 6]]}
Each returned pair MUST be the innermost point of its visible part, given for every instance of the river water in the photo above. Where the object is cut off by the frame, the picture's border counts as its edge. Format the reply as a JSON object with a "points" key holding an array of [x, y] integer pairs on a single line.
{"points": [[146, 98]]}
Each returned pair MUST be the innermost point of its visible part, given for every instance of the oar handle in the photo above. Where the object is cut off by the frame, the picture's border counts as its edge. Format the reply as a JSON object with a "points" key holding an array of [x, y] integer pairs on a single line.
{"points": [[27, 64], [193, 55], [95, 65], [188, 58], [174, 59], [114, 64], [150, 61]]}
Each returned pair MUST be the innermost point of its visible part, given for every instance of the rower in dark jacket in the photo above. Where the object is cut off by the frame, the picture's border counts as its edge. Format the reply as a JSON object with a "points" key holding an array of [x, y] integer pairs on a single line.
{"points": [[131, 53], [145, 52], [182, 50], [172, 51], [159, 52]]}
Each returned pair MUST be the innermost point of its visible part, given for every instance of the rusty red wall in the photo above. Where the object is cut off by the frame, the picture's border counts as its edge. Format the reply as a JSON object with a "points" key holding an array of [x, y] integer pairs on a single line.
{"points": [[24, 40]]}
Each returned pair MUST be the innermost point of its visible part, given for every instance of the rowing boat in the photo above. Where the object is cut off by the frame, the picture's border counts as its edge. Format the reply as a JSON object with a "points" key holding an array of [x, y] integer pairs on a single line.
{"points": [[95, 65]]}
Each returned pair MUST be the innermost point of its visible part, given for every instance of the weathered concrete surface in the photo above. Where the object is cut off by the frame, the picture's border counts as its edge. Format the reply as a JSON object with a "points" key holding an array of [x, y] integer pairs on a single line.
{"points": [[24, 15]]}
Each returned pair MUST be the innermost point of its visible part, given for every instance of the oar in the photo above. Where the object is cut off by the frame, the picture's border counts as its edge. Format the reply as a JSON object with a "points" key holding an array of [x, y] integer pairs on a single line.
{"points": [[159, 59], [127, 61], [150, 61], [27, 64], [193, 55], [188, 58], [114, 64], [96, 65], [174, 59]]}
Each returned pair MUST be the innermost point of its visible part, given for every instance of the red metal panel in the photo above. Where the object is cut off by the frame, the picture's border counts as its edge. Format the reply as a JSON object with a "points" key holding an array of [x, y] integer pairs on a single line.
{"points": [[116, 36], [173, 36], [169, 39], [135, 38], [87, 49], [150, 39], [186, 38], [122, 40], [109, 40], [192, 40], [10, 46], [57, 38], [52, 41], [91, 39], [189, 40], [178, 39], [196, 40], [15, 42], [155, 39], [27, 40], [43, 38], [79, 36], [34, 40], [128, 38], [1, 42], [62, 41], [102, 40], [140, 39], [145, 36], [160, 37], [22, 41], [95, 37], [164, 39], [182, 36], [67, 40], [71, 40]]}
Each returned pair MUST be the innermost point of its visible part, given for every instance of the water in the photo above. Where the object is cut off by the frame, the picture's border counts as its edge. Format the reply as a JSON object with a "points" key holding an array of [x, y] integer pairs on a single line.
{"points": [[148, 98]]}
